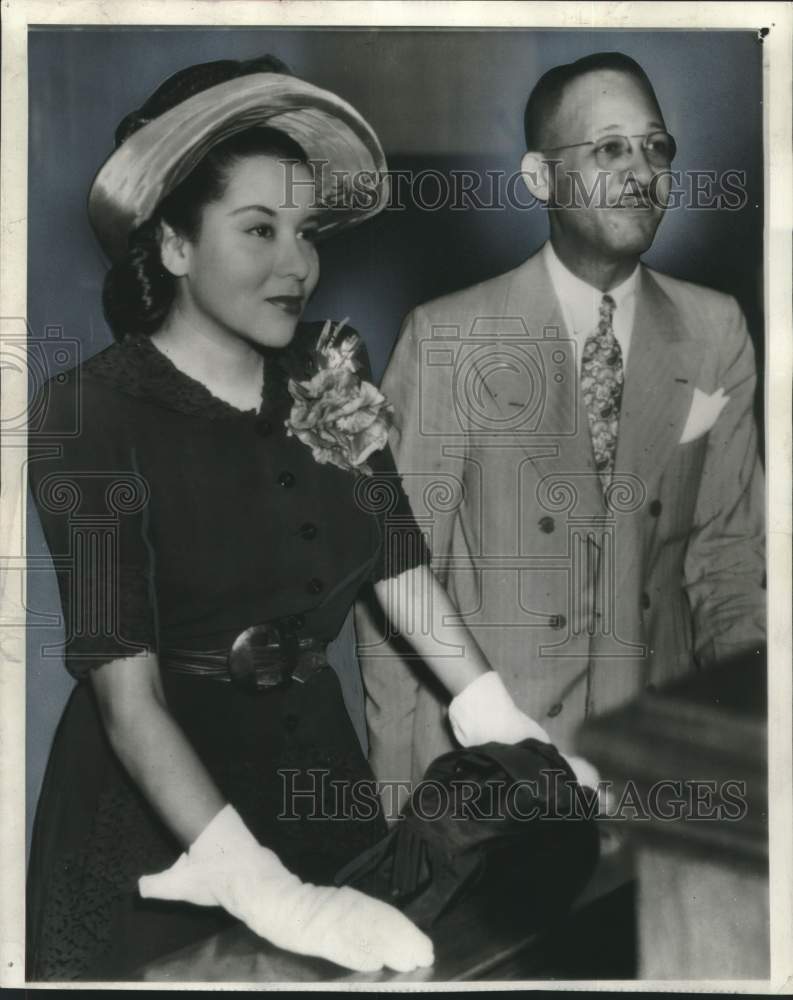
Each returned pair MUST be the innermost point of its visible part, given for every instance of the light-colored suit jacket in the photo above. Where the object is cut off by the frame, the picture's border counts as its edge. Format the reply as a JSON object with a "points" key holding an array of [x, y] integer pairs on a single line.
{"points": [[577, 603]]}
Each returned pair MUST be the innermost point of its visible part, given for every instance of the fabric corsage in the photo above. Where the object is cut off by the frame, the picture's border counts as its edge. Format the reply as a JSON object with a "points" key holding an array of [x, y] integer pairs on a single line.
{"points": [[340, 416]]}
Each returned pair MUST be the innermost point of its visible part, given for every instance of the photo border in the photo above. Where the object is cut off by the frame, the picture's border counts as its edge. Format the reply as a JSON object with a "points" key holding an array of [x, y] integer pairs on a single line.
{"points": [[18, 15]]}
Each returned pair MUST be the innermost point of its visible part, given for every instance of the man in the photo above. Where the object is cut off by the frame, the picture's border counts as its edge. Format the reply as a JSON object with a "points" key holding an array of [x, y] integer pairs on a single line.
{"points": [[577, 435]]}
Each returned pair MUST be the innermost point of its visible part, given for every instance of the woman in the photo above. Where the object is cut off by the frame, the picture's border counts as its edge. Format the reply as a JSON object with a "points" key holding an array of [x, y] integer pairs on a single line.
{"points": [[224, 500]]}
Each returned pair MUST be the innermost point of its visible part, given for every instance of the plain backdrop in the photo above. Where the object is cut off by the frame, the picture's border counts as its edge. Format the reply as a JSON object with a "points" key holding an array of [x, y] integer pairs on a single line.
{"points": [[440, 100]]}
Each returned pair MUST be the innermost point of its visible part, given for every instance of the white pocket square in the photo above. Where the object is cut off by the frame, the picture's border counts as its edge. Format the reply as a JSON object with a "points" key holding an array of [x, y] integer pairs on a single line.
{"points": [[703, 414]]}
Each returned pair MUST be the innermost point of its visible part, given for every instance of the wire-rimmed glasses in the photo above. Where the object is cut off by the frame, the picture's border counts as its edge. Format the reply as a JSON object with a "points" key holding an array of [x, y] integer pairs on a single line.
{"points": [[614, 152]]}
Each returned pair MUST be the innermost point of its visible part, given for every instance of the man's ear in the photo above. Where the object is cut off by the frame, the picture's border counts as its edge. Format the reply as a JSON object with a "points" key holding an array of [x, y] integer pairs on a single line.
{"points": [[174, 251], [536, 176]]}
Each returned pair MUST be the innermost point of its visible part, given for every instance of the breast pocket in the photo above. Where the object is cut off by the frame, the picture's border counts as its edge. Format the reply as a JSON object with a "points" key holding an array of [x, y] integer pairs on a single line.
{"points": [[679, 488]]}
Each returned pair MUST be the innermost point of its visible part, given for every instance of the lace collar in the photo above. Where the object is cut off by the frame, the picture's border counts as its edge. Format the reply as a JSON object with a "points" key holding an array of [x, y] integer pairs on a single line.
{"points": [[136, 367]]}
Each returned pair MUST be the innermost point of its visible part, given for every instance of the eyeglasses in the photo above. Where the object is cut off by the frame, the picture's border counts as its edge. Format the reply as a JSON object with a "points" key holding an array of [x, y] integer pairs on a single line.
{"points": [[614, 152]]}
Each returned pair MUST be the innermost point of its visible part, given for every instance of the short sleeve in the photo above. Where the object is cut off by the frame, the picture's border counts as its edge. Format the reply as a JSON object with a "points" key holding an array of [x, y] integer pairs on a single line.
{"points": [[93, 507], [404, 545]]}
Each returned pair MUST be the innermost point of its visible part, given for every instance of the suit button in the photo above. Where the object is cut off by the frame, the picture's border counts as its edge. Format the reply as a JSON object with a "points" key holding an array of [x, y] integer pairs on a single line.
{"points": [[554, 710], [655, 508], [557, 621], [290, 723], [547, 525], [315, 586], [286, 480], [308, 531], [645, 600], [264, 427]]}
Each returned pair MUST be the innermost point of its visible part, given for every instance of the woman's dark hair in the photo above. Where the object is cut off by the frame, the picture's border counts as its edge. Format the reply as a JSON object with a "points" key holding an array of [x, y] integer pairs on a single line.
{"points": [[138, 291]]}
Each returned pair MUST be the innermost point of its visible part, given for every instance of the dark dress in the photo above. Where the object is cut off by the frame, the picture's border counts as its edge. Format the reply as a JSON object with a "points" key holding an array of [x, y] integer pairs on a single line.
{"points": [[176, 521]]}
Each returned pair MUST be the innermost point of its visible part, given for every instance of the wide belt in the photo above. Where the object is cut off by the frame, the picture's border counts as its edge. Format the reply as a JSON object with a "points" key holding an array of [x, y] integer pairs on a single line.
{"points": [[263, 656]]}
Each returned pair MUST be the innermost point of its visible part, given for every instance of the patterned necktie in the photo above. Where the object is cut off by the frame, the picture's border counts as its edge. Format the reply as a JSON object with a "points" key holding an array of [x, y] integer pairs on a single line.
{"points": [[601, 385]]}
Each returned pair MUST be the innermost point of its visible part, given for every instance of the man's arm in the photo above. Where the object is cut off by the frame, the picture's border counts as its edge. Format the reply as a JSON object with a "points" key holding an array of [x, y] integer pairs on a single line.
{"points": [[725, 560]]}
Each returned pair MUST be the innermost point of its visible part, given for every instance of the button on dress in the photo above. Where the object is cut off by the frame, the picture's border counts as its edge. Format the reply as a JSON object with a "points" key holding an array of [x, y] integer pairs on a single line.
{"points": [[176, 521]]}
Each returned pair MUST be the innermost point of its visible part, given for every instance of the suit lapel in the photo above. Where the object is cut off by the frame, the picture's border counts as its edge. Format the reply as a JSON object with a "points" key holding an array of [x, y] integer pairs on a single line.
{"points": [[663, 365], [564, 421], [662, 370]]}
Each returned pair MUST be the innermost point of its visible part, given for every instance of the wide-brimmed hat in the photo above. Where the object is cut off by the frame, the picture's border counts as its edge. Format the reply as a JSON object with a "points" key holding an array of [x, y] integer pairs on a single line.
{"points": [[348, 161]]}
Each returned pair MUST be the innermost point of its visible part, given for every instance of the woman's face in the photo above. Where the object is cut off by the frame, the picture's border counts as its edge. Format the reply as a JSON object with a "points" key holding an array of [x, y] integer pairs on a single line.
{"points": [[254, 263]]}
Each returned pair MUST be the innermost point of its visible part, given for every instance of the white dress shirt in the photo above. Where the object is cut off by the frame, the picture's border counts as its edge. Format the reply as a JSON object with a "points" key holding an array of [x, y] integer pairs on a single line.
{"points": [[580, 304]]}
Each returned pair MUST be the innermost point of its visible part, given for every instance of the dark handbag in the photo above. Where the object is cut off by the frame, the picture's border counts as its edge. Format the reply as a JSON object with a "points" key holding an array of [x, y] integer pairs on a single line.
{"points": [[506, 826]]}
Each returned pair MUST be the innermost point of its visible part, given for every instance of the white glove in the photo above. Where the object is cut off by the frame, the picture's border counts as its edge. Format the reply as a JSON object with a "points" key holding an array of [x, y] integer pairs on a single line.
{"points": [[226, 866], [586, 774], [484, 712]]}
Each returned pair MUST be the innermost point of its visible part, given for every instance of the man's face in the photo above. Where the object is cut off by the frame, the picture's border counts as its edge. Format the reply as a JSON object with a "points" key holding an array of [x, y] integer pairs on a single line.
{"points": [[608, 213]]}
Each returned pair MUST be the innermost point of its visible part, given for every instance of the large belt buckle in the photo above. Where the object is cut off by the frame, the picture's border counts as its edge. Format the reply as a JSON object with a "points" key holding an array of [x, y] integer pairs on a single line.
{"points": [[260, 658]]}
